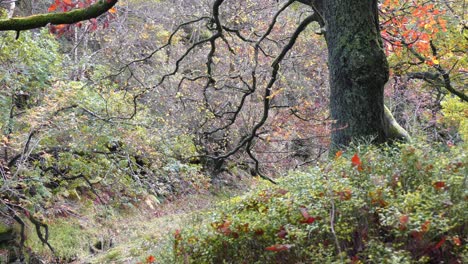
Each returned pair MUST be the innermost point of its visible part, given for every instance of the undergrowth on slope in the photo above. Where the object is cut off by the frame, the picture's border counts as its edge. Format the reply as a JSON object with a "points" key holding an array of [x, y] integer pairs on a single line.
{"points": [[400, 204]]}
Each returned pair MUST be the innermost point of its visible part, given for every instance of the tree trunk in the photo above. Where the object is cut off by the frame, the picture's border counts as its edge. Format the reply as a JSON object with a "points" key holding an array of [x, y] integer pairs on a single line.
{"points": [[358, 70]]}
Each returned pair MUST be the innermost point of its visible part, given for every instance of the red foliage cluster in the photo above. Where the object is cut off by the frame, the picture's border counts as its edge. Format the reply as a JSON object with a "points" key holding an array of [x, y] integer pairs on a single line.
{"points": [[92, 24], [411, 24]]}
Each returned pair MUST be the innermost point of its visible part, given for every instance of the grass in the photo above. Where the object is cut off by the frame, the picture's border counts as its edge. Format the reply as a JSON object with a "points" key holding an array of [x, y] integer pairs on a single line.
{"points": [[133, 232]]}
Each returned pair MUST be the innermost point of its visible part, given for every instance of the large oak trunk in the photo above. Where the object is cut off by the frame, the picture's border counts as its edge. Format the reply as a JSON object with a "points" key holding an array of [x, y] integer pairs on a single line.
{"points": [[358, 70]]}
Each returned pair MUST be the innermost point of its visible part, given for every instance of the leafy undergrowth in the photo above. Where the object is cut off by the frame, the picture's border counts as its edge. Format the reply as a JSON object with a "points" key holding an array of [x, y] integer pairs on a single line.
{"points": [[404, 204]]}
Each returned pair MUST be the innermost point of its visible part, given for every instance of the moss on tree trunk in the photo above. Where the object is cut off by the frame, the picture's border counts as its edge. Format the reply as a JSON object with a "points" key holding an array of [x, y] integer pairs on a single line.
{"points": [[358, 72], [70, 17]]}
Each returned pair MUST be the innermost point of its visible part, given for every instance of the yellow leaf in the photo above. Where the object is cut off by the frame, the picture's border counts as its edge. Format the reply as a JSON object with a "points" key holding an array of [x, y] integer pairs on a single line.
{"points": [[275, 93]]}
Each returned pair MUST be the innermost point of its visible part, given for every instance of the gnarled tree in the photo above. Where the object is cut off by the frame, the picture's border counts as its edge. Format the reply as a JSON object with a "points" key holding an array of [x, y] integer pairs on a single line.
{"points": [[357, 64]]}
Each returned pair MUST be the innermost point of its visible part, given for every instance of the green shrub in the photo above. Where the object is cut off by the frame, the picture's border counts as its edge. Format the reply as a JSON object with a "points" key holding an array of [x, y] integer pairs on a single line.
{"points": [[455, 116], [403, 204]]}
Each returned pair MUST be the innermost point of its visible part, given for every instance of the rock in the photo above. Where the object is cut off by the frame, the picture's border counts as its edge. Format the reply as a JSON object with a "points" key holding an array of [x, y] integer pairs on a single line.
{"points": [[101, 245], [151, 201], [6, 232]]}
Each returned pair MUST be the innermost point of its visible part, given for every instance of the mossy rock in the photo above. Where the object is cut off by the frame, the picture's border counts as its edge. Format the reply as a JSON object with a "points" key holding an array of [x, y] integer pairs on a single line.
{"points": [[6, 232]]}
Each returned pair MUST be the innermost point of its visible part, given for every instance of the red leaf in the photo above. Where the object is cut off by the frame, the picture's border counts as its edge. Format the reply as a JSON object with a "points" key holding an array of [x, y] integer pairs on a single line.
{"points": [[356, 162], [282, 191], [177, 235], [259, 232], [440, 243], [439, 185], [52, 7], [282, 233], [279, 247], [94, 24], [150, 259], [223, 227], [355, 260], [404, 219], [307, 218], [416, 234]]}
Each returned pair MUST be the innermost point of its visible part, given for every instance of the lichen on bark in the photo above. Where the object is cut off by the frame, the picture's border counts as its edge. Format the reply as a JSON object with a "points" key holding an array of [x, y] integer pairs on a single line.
{"points": [[393, 130]]}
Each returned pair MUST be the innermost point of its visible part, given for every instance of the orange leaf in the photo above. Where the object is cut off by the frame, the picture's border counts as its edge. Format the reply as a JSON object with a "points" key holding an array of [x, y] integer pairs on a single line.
{"points": [[223, 228], [279, 247], [425, 226], [113, 10], [456, 240], [345, 195], [177, 235], [404, 219], [338, 154]]}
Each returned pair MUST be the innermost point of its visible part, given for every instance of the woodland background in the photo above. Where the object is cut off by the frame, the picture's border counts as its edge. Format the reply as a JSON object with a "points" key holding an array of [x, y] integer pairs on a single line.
{"points": [[110, 134]]}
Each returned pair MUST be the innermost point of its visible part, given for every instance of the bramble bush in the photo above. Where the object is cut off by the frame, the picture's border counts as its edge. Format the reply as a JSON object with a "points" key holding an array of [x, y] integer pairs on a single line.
{"points": [[399, 204]]}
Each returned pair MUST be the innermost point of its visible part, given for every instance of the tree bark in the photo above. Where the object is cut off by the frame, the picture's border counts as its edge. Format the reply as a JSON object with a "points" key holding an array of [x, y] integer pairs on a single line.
{"points": [[70, 17], [358, 71]]}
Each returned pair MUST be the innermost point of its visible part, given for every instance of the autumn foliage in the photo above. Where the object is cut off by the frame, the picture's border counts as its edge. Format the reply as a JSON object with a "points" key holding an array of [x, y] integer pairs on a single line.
{"points": [[67, 5], [336, 207], [86, 121]]}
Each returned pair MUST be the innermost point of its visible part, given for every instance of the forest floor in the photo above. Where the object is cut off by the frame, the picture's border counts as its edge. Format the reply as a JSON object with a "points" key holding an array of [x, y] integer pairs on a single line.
{"points": [[142, 234], [132, 235]]}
